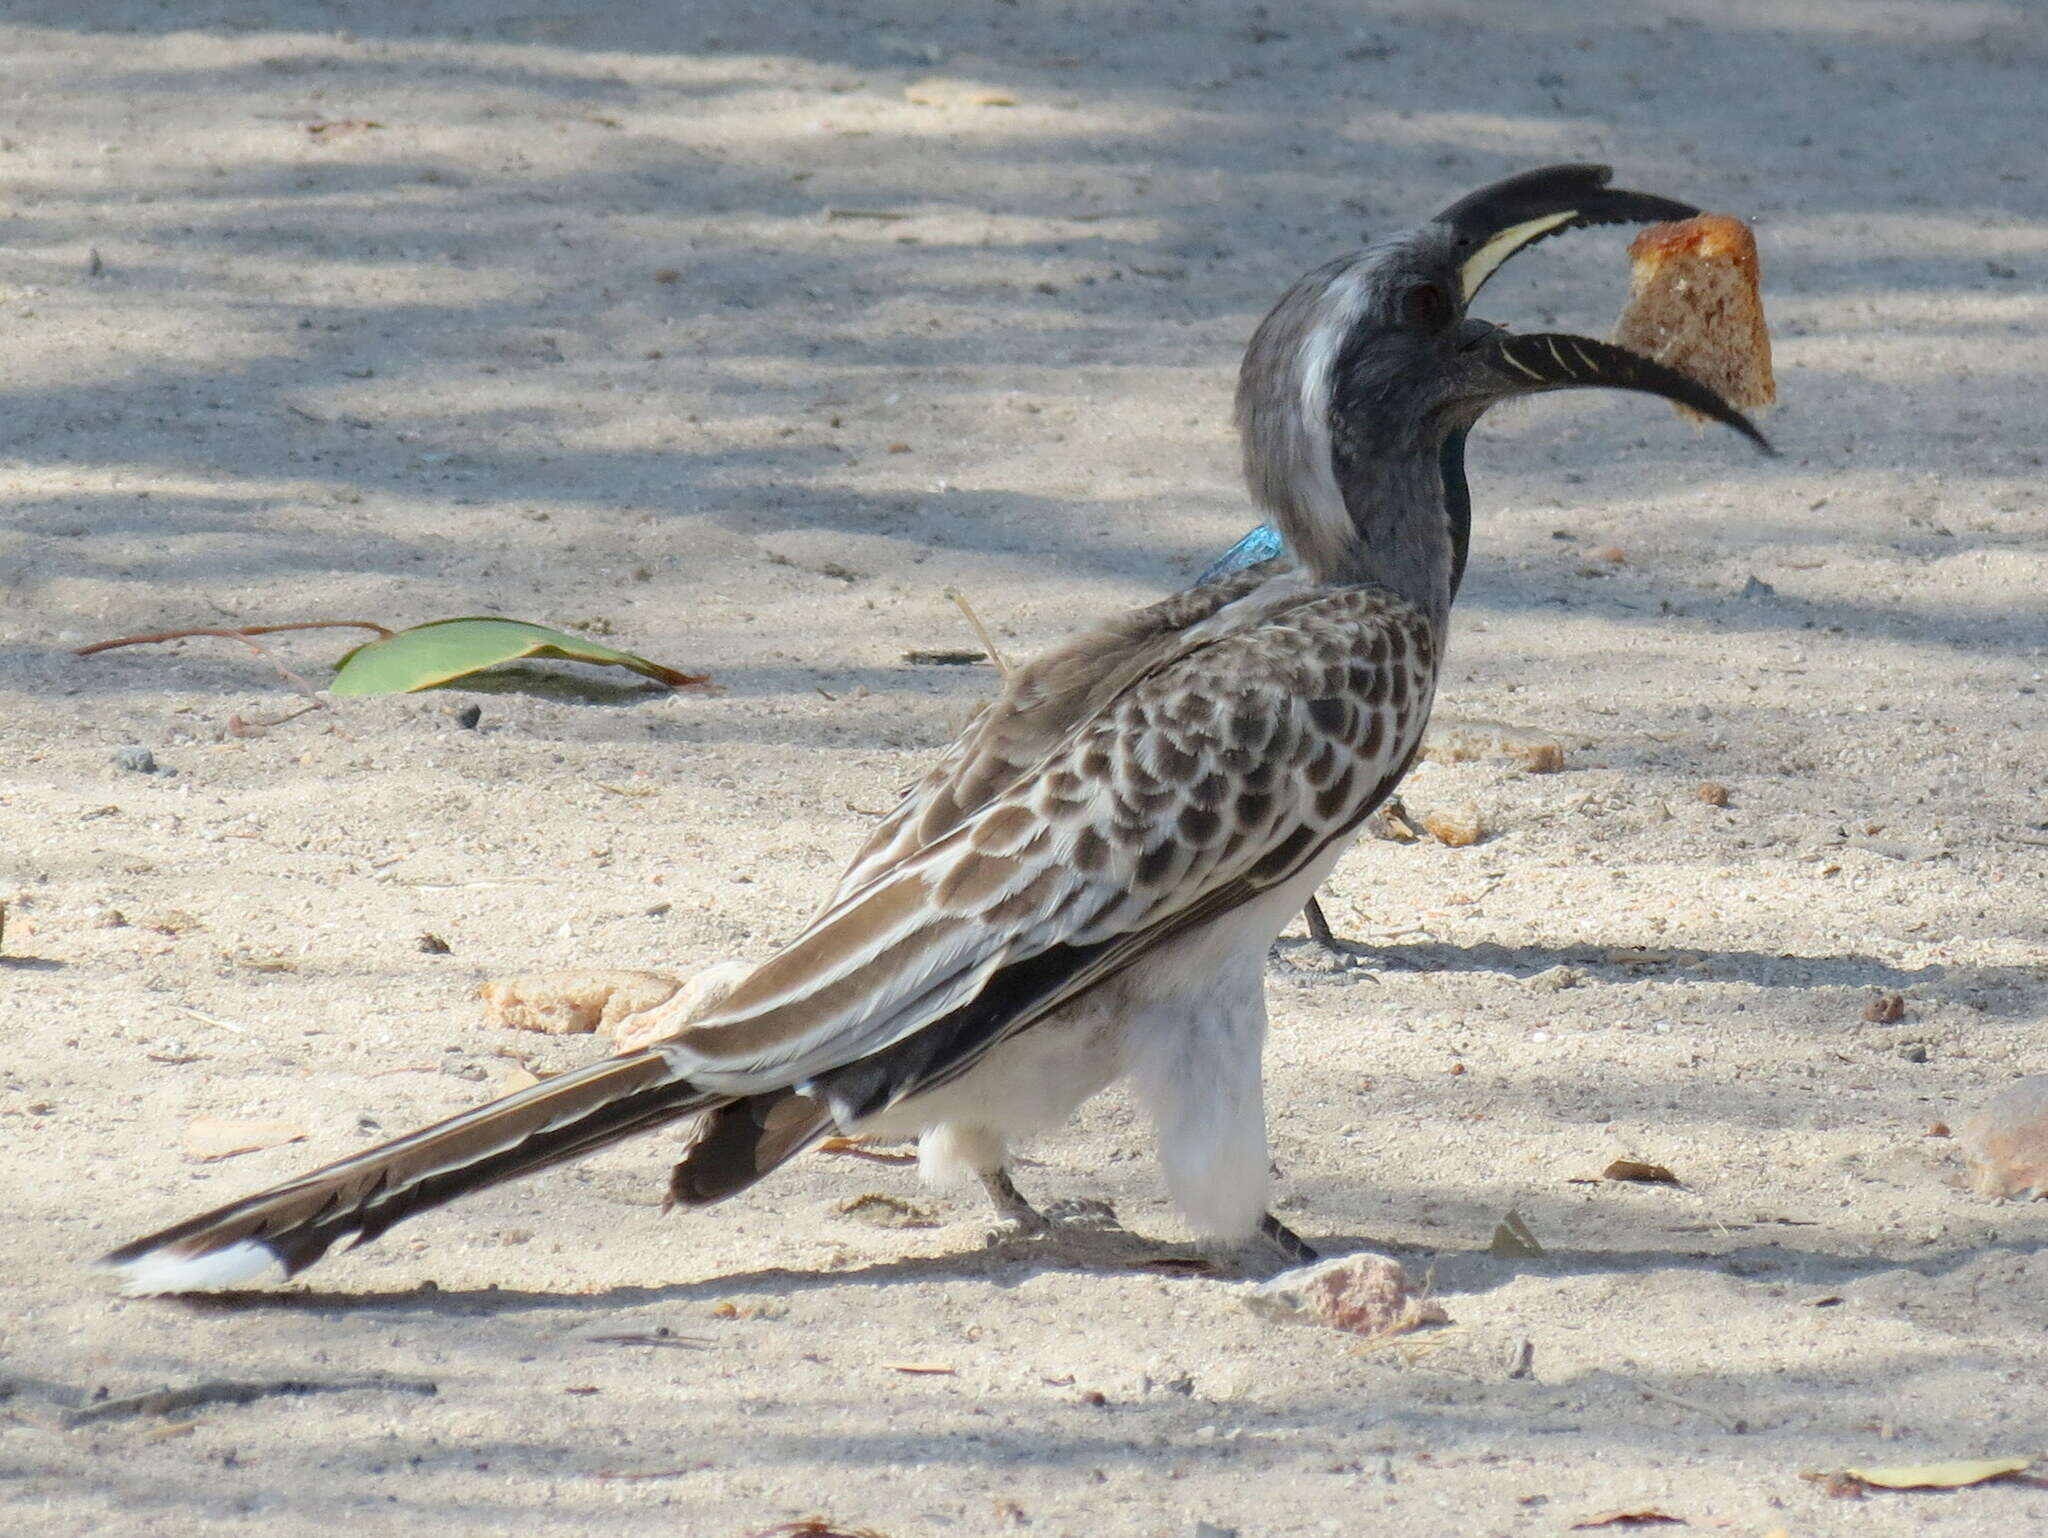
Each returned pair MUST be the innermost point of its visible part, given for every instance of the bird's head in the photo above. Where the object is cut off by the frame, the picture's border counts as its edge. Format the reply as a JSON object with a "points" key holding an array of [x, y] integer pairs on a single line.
{"points": [[1371, 363]]}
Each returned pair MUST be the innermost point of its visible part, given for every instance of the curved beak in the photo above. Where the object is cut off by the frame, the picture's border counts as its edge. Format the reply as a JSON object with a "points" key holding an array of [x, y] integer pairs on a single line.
{"points": [[1508, 216], [1505, 364]]}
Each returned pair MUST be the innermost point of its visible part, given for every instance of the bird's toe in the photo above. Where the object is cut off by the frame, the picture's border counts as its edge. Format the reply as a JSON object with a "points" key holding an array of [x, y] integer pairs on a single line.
{"points": [[1082, 1212]]}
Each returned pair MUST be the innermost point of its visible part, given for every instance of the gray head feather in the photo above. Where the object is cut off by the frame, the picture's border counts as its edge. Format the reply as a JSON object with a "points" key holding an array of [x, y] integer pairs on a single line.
{"points": [[1337, 341]]}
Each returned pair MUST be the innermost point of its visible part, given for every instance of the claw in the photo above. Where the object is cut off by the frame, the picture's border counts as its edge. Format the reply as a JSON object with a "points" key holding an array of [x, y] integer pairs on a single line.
{"points": [[1012, 1228]]}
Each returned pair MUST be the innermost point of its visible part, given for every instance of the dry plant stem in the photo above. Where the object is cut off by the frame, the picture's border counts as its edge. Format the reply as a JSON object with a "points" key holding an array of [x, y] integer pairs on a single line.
{"points": [[200, 1015], [266, 722], [1728, 1423], [170, 1401], [243, 635], [675, 1473], [981, 632]]}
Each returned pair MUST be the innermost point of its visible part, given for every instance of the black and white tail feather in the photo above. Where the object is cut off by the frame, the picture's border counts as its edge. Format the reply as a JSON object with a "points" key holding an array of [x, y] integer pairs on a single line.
{"points": [[1085, 886]]}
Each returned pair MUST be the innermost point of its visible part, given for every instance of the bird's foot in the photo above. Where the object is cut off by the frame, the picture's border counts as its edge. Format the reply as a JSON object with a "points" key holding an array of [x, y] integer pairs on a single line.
{"points": [[1081, 1212], [1273, 1249], [1017, 1219], [1294, 1249], [1080, 1215], [1343, 958], [1013, 1228]]}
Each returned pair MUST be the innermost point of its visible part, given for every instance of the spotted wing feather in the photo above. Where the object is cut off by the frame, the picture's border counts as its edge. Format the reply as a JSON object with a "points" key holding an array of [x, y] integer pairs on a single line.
{"points": [[1042, 702], [1216, 773]]}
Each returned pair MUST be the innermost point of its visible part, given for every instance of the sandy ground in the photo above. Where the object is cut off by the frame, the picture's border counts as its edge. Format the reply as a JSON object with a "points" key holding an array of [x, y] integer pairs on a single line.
{"points": [[404, 311]]}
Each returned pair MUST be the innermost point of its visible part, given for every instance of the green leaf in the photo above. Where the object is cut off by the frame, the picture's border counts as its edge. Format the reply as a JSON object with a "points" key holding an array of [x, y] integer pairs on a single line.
{"points": [[444, 649], [1942, 1476]]}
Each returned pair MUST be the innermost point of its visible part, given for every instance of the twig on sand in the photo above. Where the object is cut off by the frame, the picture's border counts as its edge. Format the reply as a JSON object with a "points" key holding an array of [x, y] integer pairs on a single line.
{"points": [[855, 1148], [659, 1338], [943, 657], [981, 631], [244, 634], [171, 1401], [242, 726], [240, 633], [1733, 1424], [202, 1016], [606, 1475]]}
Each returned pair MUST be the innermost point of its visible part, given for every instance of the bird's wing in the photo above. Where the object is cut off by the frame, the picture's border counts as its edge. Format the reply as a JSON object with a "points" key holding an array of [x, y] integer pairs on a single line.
{"points": [[1041, 703], [1216, 773]]}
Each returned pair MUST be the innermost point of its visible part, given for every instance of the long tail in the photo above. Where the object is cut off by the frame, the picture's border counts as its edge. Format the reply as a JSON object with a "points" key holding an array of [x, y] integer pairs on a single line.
{"points": [[293, 1225]]}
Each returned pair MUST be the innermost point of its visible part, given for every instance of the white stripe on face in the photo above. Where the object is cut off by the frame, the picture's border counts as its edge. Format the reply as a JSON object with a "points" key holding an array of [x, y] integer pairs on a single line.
{"points": [[1337, 315]]}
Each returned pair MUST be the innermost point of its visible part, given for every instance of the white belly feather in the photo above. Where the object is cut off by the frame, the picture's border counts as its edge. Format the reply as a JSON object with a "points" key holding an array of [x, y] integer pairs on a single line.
{"points": [[1187, 1025]]}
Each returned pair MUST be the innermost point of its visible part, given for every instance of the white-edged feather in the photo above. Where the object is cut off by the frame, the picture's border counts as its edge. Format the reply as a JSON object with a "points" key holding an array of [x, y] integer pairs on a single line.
{"points": [[166, 1271]]}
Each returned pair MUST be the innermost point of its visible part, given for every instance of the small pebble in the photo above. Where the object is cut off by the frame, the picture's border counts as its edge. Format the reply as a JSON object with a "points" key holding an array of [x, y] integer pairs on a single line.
{"points": [[1458, 826], [1362, 1294], [1554, 979], [1885, 1008], [1712, 794], [2006, 1143], [136, 759], [879, 1210]]}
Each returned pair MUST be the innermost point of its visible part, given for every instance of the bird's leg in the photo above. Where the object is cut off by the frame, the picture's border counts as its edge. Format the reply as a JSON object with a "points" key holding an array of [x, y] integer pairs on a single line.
{"points": [[1319, 926], [1284, 1239], [1345, 954], [1016, 1218], [1273, 1249]]}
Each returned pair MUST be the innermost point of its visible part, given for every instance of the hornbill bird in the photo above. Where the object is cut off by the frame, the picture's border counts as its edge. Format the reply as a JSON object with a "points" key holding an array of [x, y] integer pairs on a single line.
{"points": [[1085, 887], [1553, 198]]}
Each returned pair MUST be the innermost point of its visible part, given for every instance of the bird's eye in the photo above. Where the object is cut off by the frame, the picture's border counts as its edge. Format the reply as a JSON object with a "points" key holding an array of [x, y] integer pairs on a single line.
{"points": [[1424, 306]]}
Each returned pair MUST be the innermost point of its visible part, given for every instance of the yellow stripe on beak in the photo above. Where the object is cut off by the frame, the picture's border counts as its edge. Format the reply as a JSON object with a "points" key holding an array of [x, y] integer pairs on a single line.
{"points": [[1483, 263]]}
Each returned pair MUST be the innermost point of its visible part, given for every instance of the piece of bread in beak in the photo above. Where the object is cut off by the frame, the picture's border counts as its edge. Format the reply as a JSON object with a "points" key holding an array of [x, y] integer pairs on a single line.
{"points": [[1693, 305]]}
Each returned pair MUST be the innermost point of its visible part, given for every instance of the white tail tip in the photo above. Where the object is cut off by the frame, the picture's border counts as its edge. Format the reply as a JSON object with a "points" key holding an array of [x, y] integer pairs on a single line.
{"points": [[159, 1271]]}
